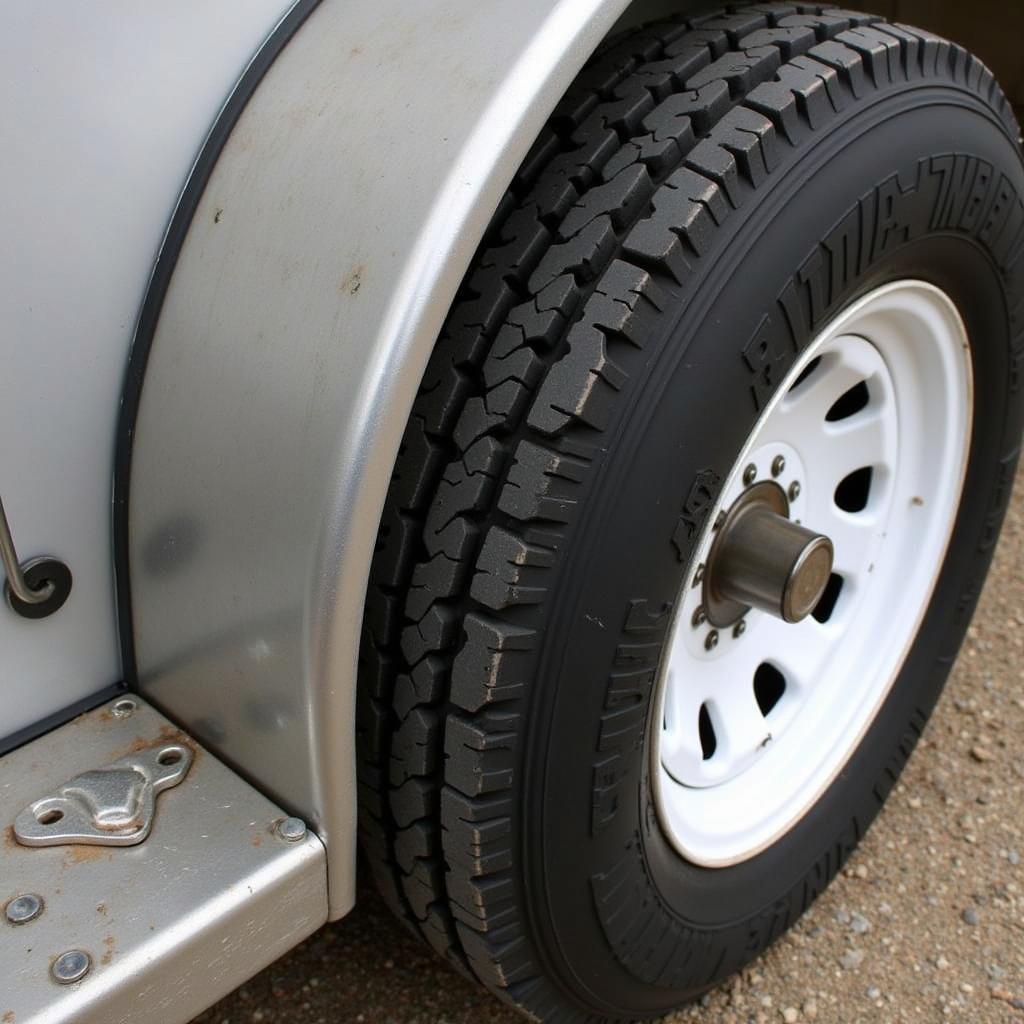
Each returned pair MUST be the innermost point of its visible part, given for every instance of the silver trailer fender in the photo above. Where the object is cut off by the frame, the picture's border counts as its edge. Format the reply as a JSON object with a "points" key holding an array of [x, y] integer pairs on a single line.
{"points": [[305, 278]]}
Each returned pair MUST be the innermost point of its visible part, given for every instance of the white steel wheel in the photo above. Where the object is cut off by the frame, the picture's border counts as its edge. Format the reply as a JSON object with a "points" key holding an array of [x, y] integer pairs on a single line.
{"points": [[867, 440]]}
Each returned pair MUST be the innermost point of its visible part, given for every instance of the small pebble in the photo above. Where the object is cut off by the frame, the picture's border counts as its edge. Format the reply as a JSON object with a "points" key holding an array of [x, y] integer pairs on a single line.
{"points": [[970, 916], [859, 923], [790, 1015], [851, 959]]}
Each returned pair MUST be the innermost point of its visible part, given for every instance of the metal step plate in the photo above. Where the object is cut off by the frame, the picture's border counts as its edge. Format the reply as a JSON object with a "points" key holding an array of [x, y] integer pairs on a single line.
{"points": [[218, 881]]}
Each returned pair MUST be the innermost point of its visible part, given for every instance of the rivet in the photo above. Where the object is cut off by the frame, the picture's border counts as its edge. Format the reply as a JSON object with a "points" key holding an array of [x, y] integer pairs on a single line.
{"points": [[711, 640], [740, 628], [699, 616], [778, 465], [71, 966], [750, 474], [794, 490], [24, 908], [124, 708], [291, 830]]}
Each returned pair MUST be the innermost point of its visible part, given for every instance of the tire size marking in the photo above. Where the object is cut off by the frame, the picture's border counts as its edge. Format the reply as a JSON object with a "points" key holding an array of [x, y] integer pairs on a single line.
{"points": [[953, 192], [700, 500]]}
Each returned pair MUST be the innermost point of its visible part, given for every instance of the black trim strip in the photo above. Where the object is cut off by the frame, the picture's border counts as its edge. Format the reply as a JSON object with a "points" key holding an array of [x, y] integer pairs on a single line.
{"points": [[156, 291]]}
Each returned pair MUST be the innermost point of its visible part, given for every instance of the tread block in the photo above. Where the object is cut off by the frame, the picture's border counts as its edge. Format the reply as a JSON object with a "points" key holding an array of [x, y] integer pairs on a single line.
{"points": [[481, 758], [503, 569], [619, 199], [533, 490], [486, 669], [580, 256]]}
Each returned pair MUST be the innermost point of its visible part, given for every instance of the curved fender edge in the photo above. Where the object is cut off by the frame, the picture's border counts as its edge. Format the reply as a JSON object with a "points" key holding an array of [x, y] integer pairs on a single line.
{"points": [[311, 280]]}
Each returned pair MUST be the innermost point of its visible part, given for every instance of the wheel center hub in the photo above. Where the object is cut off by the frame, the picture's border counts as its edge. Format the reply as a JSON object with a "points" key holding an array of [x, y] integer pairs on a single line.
{"points": [[762, 559]]}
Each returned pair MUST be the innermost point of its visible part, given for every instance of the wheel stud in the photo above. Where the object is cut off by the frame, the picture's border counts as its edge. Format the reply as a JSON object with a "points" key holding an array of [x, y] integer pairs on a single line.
{"points": [[699, 616], [778, 465], [740, 628], [711, 642], [750, 474], [794, 490]]}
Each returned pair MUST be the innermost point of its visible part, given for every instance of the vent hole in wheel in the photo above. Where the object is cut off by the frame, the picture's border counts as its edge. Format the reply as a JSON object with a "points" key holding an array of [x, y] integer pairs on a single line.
{"points": [[850, 403], [769, 686], [708, 740], [853, 492], [806, 372], [827, 605]]}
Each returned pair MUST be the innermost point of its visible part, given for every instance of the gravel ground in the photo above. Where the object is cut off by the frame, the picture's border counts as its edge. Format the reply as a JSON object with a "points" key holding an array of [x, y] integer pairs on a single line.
{"points": [[926, 923]]}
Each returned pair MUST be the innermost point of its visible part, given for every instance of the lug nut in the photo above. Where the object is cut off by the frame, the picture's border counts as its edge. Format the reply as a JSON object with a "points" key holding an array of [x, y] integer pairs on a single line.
{"points": [[740, 628], [699, 616], [71, 966], [291, 830], [750, 474], [794, 490], [711, 641], [778, 465], [698, 576], [24, 908]]}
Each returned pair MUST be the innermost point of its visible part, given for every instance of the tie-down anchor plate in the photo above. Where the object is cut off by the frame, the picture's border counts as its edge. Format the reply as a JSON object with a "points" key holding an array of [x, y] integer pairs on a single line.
{"points": [[109, 806]]}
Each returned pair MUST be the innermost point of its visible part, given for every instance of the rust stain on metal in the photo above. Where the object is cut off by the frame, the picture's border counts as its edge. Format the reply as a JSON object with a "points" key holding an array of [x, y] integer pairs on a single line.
{"points": [[353, 280], [8, 1017], [83, 853], [167, 734], [108, 952], [10, 843]]}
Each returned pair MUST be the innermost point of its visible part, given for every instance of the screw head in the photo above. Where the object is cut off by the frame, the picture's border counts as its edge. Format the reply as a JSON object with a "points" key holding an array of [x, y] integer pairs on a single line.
{"points": [[740, 628], [778, 465], [24, 908], [291, 830], [750, 474], [699, 616], [794, 490], [71, 966], [124, 708], [711, 640]]}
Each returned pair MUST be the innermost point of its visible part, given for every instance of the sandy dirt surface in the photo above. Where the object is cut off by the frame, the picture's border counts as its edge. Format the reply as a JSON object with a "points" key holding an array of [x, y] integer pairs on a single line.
{"points": [[925, 924]]}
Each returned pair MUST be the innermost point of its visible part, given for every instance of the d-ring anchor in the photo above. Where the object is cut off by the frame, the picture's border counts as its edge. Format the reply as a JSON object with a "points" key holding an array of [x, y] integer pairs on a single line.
{"points": [[36, 588]]}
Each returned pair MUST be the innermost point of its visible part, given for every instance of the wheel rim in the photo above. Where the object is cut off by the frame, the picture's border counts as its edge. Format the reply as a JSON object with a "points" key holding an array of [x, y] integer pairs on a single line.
{"points": [[868, 436]]}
